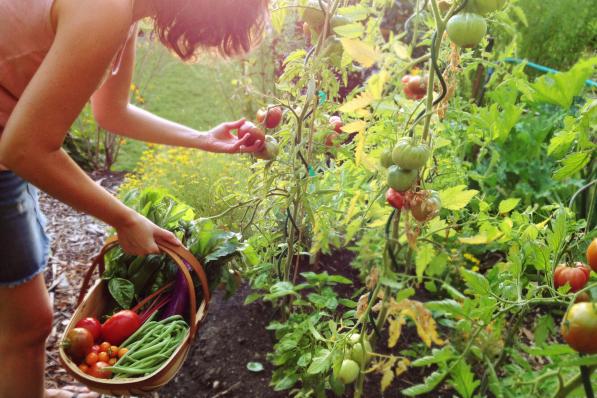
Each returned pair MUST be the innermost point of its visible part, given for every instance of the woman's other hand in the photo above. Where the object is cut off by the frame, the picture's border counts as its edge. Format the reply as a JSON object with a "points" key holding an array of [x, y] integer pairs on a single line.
{"points": [[221, 139], [139, 236]]}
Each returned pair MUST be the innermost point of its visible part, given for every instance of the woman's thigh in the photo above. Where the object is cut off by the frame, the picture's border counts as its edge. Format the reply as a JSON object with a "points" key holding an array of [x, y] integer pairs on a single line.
{"points": [[25, 314], [24, 244]]}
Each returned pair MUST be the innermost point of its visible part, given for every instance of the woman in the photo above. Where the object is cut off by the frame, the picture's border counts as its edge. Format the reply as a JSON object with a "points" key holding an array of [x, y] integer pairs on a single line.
{"points": [[55, 56]]}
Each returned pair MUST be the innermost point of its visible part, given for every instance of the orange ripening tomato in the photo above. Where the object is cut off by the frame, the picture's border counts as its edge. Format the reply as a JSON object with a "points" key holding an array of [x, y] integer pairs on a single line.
{"points": [[576, 276], [579, 327], [592, 254]]}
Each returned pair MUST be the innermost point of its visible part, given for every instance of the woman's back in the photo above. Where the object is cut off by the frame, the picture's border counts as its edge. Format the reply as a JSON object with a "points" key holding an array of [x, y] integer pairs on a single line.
{"points": [[26, 35]]}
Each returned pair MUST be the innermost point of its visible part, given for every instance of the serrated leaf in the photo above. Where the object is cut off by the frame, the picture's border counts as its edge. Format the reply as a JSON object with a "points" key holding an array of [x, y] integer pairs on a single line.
{"points": [[480, 239], [425, 253], [438, 356], [506, 206], [430, 383], [463, 379], [361, 101], [278, 19], [387, 379], [457, 197], [572, 164], [475, 281], [350, 31], [450, 307], [322, 361], [376, 84], [361, 52]]}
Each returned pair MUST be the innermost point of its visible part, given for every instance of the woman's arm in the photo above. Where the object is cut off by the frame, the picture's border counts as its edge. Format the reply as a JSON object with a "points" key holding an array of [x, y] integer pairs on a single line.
{"points": [[88, 34], [114, 113]]}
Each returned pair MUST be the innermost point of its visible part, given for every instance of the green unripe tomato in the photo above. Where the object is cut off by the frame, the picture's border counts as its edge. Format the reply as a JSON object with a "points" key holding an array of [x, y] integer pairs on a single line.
{"points": [[386, 159], [349, 371], [357, 353], [484, 7], [402, 180], [410, 156], [466, 29], [271, 149]]}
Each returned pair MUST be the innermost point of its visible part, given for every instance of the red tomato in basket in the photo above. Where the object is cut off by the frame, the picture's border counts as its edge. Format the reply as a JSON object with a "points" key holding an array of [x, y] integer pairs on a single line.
{"points": [[93, 325], [97, 370], [120, 326], [78, 343]]}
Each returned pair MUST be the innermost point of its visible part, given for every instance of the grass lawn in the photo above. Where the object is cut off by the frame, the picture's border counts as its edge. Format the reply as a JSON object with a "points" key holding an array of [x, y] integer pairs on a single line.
{"points": [[197, 95]]}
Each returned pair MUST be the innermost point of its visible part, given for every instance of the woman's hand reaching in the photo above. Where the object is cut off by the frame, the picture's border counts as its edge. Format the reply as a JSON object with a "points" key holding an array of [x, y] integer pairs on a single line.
{"points": [[139, 236], [221, 140]]}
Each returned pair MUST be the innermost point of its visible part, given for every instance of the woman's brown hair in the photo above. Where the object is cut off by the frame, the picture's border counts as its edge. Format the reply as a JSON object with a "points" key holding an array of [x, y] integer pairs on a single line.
{"points": [[231, 27]]}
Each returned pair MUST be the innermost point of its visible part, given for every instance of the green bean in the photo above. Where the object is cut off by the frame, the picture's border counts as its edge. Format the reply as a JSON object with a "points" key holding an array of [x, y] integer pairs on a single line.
{"points": [[140, 330], [149, 350]]}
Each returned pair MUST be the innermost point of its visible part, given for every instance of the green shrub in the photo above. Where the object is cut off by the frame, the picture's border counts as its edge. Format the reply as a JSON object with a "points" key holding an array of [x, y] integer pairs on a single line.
{"points": [[558, 31]]}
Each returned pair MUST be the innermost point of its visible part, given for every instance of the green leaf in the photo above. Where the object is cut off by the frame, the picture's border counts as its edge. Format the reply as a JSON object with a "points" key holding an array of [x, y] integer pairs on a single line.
{"points": [[475, 281], [438, 356], [425, 254], [582, 361], [255, 367], [430, 383], [544, 326], [572, 164], [321, 362], [450, 307], [561, 88], [506, 206], [287, 382], [551, 350], [463, 379], [352, 31], [457, 197], [123, 292]]}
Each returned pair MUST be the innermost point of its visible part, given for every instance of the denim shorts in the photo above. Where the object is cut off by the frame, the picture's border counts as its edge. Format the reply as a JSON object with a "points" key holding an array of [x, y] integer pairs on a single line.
{"points": [[24, 245]]}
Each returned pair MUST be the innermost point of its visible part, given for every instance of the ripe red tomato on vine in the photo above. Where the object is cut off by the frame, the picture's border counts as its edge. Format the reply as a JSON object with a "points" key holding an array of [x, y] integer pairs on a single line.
{"points": [[576, 276]]}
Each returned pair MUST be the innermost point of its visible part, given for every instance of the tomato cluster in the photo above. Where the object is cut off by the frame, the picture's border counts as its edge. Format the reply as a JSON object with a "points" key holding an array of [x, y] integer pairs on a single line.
{"points": [[268, 118], [404, 163], [579, 326], [468, 28], [81, 341]]}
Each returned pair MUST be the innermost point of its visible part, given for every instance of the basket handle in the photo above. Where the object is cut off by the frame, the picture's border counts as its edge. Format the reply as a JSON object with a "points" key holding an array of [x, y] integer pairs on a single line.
{"points": [[178, 254]]}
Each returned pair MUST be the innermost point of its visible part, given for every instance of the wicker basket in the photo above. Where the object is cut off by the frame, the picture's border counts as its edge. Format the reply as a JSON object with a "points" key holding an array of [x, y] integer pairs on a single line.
{"points": [[94, 303]]}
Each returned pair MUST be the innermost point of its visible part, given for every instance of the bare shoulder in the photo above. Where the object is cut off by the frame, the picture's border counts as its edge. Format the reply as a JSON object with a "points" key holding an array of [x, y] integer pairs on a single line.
{"points": [[104, 19]]}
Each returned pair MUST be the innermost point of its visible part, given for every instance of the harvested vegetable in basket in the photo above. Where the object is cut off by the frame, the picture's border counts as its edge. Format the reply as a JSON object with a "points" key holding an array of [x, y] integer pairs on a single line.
{"points": [[150, 347]]}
